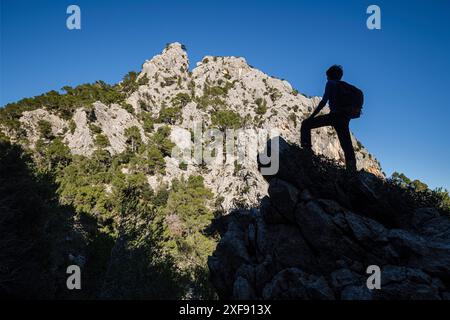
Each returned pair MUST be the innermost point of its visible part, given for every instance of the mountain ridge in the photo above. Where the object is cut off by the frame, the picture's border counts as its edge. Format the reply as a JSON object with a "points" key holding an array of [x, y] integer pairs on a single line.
{"points": [[166, 93]]}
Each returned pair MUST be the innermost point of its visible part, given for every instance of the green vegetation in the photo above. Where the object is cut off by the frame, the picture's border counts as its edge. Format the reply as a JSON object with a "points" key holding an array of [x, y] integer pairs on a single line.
{"points": [[148, 122], [176, 248], [168, 45], [443, 197], [184, 219], [169, 115], [128, 107], [148, 158], [86, 94], [169, 81], [45, 129], [261, 104], [32, 223], [52, 156], [359, 146], [64, 104], [212, 96], [155, 161], [131, 83], [181, 100], [167, 256], [293, 118], [72, 126], [405, 182], [237, 167], [161, 139], [138, 242], [226, 119], [95, 129], [133, 136], [191, 87], [275, 94], [205, 101], [183, 166], [101, 141], [217, 90], [438, 198]]}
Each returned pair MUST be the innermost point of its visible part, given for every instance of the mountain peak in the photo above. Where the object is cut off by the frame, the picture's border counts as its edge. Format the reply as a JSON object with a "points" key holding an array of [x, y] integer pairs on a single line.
{"points": [[171, 62], [174, 46]]}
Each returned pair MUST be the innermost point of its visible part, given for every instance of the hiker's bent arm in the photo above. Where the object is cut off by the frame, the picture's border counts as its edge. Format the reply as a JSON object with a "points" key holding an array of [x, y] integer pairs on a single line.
{"points": [[319, 107], [323, 102]]}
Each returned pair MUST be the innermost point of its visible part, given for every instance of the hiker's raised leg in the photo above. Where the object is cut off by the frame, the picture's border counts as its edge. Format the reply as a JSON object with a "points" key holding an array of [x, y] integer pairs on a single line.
{"points": [[345, 139], [305, 134], [309, 124]]}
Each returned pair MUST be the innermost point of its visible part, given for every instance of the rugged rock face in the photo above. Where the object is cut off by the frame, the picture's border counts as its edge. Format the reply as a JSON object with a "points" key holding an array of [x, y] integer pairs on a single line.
{"points": [[319, 230], [30, 119], [260, 100]]}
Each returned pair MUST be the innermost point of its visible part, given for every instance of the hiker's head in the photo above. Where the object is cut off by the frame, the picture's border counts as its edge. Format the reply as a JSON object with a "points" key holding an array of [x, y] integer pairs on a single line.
{"points": [[335, 72]]}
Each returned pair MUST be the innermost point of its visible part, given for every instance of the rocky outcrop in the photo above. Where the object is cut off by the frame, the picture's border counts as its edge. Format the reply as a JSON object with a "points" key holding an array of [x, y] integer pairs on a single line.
{"points": [[80, 141], [30, 123], [113, 121], [319, 230]]}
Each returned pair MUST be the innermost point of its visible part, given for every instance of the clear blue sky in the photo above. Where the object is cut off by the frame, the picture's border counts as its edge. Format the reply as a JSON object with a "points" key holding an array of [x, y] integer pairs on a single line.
{"points": [[403, 69]]}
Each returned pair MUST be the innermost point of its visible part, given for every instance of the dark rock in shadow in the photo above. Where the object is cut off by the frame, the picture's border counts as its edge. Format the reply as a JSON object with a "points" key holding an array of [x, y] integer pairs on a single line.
{"points": [[319, 230]]}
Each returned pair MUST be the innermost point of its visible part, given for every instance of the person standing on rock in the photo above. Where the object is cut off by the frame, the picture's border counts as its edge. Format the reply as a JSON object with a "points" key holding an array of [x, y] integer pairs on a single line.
{"points": [[345, 102]]}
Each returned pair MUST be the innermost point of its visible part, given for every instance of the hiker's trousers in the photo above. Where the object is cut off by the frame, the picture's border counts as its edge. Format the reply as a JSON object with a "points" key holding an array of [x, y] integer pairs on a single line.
{"points": [[341, 124]]}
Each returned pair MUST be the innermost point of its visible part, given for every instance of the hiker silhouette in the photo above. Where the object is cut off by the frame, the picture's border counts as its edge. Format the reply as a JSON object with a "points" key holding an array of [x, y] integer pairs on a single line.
{"points": [[345, 103]]}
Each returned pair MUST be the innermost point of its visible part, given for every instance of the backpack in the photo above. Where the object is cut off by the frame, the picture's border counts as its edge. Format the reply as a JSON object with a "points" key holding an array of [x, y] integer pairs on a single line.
{"points": [[350, 100]]}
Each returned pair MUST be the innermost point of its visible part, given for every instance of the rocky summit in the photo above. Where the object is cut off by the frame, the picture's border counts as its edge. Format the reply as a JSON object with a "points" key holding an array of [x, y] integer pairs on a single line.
{"points": [[319, 230]]}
